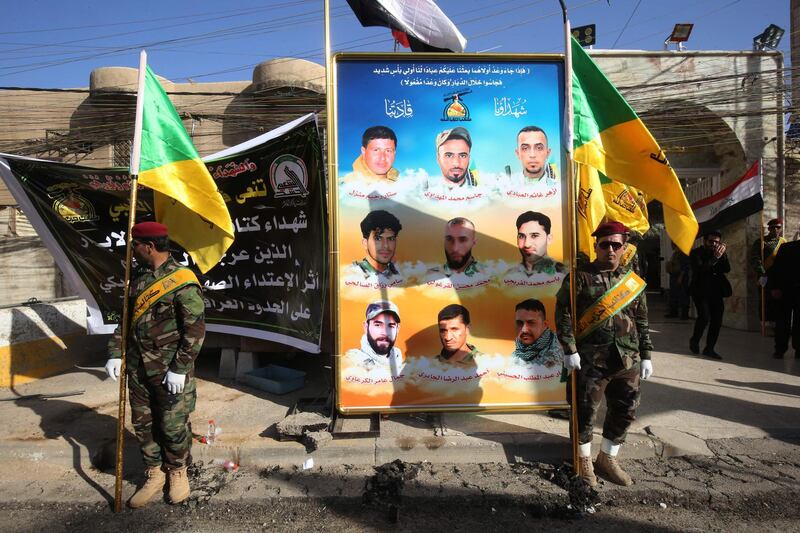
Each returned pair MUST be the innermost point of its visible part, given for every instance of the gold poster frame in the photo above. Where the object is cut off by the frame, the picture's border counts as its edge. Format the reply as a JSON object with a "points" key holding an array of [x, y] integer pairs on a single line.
{"points": [[570, 203]]}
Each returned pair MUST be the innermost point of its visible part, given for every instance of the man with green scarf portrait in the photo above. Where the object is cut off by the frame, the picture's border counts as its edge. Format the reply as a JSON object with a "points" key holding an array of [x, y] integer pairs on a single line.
{"points": [[535, 343]]}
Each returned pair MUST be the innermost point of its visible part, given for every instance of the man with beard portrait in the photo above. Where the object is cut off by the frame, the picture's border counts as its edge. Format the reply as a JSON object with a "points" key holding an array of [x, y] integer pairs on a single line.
{"points": [[459, 239], [377, 349]]}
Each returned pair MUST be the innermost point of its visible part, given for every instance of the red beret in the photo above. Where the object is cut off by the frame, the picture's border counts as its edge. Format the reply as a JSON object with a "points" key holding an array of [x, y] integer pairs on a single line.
{"points": [[775, 222], [148, 230], [611, 227]]}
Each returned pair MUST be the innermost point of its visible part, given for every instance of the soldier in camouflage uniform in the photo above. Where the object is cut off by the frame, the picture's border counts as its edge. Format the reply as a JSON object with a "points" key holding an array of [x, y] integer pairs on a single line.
{"points": [[610, 351], [166, 335]]}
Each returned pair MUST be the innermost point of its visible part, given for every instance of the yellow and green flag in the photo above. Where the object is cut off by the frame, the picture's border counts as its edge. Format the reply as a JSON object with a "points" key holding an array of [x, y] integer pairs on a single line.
{"points": [[186, 198], [611, 138], [591, 208], [601, 199]]}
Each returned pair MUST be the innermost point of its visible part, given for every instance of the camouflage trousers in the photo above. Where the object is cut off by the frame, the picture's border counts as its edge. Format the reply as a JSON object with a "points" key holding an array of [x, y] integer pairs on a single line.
{"points": [[161, 419], [621, 390]]}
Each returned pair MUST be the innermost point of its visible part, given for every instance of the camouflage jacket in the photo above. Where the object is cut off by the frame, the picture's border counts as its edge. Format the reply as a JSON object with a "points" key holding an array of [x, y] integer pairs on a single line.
{"points": [[469, 359], [628, 330], [545, 265], [170, 333]]}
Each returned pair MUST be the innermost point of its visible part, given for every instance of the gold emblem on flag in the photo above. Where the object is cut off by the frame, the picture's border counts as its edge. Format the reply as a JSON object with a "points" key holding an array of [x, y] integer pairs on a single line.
{"points": [[626, 201]]}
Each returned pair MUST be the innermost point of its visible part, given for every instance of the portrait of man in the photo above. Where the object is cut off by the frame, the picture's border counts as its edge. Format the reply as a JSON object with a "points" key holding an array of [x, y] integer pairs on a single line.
{"points": [[379, 231], [377, 349], [454, 324], [533, 153], [533, 238], [535, 343], [459, 239], [375, 163], [453, 148]]}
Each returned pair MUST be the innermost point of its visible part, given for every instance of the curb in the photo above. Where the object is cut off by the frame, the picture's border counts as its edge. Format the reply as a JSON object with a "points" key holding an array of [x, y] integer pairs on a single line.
{"points": [[457, 449]]}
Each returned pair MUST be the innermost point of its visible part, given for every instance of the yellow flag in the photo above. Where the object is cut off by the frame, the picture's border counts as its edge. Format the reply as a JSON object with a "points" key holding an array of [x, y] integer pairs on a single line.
{"points": [[591, 208], [625, 204], [186, 197], [610, 137]]}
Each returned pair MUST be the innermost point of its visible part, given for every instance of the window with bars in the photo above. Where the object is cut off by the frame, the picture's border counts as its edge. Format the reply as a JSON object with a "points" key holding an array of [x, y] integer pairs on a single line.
{"points": [[122, 153]]}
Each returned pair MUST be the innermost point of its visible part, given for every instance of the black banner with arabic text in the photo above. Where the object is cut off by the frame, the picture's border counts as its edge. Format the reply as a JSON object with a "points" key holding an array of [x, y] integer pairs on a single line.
{"points": [[272, 282]]}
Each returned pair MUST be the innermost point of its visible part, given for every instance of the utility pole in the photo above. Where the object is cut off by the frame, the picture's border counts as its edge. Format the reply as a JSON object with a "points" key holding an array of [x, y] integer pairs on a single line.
{"points": [[791, 145], [794, 27]]}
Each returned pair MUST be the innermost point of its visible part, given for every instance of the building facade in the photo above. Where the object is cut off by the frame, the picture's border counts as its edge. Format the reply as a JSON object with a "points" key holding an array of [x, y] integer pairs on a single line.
{"points": [[713, 113]]}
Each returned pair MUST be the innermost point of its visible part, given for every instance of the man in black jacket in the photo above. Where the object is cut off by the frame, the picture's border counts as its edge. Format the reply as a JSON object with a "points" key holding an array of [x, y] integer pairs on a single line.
{"points": [[784, 286], [708, 287]]}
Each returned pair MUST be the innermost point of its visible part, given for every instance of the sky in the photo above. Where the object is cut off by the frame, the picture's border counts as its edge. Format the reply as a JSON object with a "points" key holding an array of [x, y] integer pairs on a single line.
{"points": [[56, 44]]}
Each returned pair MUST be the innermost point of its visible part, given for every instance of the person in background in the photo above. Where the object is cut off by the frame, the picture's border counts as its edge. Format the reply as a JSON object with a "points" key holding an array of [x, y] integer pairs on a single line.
{"points": [[709, 264], [761, 259], [679, 270], [783, 283]]}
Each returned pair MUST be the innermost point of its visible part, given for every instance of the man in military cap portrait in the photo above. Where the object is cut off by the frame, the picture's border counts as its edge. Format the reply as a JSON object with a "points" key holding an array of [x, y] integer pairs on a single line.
{"points": [[609, 349], [166, 333], [453, 149], [377, 349]]}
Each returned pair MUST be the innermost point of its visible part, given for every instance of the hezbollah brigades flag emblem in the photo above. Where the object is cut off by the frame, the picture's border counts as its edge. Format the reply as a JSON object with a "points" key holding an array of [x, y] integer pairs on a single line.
{"points": [[186, 197]]}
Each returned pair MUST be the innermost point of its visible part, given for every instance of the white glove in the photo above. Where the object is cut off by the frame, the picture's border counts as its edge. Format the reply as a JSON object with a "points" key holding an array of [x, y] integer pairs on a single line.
{"points": [[647, 368], [572, 362], [174, 382], [762, 281], [113, 367]]}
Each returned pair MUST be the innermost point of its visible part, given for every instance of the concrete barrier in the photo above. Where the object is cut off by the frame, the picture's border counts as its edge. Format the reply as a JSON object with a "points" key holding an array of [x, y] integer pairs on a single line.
{"points": [[44, 338]]}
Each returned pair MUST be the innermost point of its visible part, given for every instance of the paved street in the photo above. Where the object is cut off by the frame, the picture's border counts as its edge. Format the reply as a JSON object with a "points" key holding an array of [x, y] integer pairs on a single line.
{"points": [[699, 418]]}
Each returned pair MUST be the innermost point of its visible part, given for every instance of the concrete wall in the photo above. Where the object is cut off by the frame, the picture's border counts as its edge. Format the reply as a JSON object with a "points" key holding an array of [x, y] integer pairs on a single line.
{"points": [[712, 110], [93, 127], [44, 339], [708, 110]]}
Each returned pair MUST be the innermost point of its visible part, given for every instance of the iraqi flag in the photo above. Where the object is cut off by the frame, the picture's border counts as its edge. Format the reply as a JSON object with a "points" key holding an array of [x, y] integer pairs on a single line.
{"points": [[735, 202], [416, 24]]}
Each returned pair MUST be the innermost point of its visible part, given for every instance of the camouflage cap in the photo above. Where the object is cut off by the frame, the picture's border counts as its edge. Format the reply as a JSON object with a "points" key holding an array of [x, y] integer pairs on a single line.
{"points": [[455, 133], [382, 306]]}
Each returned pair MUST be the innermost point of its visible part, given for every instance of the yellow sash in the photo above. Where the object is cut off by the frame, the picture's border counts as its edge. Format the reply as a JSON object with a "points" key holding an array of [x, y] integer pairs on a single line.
{"points": [[612, 302], [771, 259], [160, 288]]}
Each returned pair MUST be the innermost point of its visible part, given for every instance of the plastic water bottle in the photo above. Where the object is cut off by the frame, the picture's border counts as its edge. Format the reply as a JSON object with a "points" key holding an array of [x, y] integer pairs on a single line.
{"points": [[211, 434], [227, 464]]}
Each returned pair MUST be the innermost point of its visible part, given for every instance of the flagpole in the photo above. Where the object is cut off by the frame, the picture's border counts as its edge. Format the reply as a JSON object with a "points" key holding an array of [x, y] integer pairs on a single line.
{"points": [[124, 325], [332, 203], [573, 245], [761, 288], [761, 238]]}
